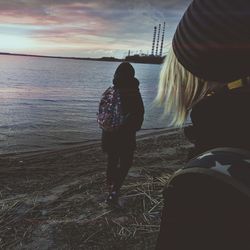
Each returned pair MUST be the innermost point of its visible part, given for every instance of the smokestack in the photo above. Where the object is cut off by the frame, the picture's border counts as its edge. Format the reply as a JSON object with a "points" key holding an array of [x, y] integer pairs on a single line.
{"points": [[153, 43], [158, 39], [162, 38]]}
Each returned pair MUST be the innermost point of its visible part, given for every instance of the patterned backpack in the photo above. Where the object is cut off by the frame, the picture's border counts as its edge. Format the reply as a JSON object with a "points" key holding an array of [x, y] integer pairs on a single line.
{"points": [[110, 116]]}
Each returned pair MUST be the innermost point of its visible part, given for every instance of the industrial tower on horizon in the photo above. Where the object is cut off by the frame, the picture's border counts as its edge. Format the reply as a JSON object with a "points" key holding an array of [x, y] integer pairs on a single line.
{"points": [[155, 44], [156, 55]]}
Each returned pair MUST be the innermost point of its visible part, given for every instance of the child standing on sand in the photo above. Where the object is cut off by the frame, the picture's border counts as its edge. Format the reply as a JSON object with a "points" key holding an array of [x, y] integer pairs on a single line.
{"points": [[120, 143]]}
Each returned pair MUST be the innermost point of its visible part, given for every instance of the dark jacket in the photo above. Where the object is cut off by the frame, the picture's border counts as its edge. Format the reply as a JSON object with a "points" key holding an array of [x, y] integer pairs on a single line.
{"points": [[133, 109], [221, 120]]}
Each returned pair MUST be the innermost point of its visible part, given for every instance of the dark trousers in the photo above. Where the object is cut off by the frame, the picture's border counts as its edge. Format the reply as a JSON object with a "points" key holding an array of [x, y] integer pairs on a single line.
{"points": [[118, 166]]}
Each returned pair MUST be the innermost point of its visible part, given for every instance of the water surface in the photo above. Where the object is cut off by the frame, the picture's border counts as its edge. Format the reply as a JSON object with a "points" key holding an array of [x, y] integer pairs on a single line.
{"points": [[47, 103]]}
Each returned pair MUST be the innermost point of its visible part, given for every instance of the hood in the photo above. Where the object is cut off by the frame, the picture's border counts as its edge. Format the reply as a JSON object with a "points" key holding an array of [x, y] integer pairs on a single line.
{"points": [[124, 76]]}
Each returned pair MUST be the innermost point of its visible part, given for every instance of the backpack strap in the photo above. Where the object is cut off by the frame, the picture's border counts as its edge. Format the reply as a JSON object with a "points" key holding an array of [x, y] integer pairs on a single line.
{"points": [[228, 165]]}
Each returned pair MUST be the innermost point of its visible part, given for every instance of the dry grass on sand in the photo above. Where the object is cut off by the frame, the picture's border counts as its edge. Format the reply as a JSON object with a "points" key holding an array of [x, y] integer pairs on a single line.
{"points": [[55, 200]]}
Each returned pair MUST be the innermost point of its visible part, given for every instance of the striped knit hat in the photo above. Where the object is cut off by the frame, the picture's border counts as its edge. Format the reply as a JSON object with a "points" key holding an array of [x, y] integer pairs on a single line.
{"points": [[212, 40]]}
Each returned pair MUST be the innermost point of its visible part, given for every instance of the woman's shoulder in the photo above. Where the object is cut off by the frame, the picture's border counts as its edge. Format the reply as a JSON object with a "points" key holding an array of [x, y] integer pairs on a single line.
{"points": [[221, 104], [207, 103], [210, 107]]}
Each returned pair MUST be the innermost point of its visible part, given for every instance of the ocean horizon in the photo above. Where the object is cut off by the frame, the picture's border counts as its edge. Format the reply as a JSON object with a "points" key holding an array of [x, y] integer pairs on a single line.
{"points": [[49, 103]]}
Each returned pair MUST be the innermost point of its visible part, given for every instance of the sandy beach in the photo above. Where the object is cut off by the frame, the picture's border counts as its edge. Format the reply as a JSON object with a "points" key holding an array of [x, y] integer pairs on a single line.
{"points": [[55, 200]]}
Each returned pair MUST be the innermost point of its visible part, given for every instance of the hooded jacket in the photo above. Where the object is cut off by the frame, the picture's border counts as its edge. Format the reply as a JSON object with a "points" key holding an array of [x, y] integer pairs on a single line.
{"points": [[132, 108]]}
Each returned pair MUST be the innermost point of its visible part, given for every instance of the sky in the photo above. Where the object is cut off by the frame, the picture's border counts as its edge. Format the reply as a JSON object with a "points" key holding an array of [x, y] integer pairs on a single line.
{"points": [[86, 28]]}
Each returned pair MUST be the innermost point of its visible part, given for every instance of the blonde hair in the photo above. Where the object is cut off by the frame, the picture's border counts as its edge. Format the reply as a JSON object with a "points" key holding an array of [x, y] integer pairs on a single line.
{"points": [[179, 90]]}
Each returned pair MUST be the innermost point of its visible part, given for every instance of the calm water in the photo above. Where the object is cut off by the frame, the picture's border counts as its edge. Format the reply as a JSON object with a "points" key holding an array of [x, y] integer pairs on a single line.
{"points": [[47, 103]]}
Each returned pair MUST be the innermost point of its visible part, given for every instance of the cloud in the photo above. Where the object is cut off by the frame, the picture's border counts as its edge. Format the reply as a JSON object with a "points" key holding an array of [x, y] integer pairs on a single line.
{"points": [[100, 23]]}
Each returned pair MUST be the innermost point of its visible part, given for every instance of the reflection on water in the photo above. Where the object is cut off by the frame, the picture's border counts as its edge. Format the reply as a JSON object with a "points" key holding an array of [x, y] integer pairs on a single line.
{"points": [[48, 102]]}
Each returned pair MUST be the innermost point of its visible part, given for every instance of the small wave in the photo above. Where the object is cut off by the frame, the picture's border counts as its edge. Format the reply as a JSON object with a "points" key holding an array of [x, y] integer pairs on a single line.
{"points": [[26, 103], [48, 100], [17, 126], [72, 101], [81, 142]]}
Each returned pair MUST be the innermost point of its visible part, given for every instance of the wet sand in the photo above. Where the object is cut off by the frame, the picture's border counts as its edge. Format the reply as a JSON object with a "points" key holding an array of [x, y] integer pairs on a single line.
{"points": [[55, 200]]}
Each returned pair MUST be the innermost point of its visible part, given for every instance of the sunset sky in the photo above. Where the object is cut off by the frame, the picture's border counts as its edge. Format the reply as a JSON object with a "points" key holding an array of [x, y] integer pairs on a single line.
{"points": [[85, 28]]}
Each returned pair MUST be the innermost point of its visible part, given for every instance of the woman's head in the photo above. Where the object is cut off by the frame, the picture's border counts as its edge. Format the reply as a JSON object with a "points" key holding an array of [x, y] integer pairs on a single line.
{"points": [[179, 90], [211, 47]]}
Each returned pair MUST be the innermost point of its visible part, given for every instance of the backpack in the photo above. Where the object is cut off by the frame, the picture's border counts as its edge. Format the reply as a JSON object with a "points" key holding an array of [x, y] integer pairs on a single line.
{"points": [[110, 115]]}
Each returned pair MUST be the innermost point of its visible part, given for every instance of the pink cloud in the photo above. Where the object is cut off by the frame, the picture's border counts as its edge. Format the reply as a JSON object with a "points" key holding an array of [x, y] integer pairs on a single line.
{"points": [[83, 24]]}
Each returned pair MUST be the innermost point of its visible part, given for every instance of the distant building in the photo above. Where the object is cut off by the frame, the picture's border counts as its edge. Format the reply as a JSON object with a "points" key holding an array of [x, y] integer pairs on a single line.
{"points": [[154, 57]]}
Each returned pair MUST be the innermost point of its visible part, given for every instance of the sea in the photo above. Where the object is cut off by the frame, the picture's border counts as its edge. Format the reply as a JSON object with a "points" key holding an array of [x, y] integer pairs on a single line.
{"points": [[51, 103]]}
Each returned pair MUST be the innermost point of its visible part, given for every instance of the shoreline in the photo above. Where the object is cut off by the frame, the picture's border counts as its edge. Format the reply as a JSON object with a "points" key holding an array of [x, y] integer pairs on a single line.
{"points": [[55, 200], [148, 59], [105, 59], [87, 144]]}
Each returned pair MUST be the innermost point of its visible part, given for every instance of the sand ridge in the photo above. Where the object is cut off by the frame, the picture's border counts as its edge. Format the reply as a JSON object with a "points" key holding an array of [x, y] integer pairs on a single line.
{"points": [[55, 200]]}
